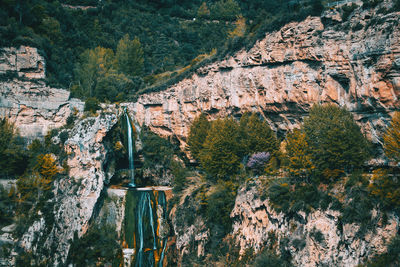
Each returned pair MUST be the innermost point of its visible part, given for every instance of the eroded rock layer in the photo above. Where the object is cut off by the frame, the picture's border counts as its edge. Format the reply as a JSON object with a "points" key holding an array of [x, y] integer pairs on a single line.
{"points": [[354, 63]]}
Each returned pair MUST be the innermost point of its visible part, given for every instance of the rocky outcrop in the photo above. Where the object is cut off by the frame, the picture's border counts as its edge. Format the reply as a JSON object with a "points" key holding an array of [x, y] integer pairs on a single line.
{"points": [[353, 63], [76, 195], [24, 97], [23, 62], [314, 239]]}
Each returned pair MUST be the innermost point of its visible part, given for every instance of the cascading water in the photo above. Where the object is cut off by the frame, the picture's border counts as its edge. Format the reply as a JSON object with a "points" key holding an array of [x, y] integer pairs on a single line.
{"points": [[130, 151], [145, 227], [146, 230]]}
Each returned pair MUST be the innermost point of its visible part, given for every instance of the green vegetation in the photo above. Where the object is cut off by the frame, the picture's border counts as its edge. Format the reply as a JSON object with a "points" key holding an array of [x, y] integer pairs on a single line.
{"points": [[269, 258], [335, 142], [98, 246], [12, 155], [197, 135], [392, 138], [222, 145], [153, 43]]}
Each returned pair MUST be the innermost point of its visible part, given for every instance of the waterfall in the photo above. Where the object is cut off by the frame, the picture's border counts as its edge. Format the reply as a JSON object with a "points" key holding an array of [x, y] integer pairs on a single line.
{"points": [[145, 230], [130, 151]]}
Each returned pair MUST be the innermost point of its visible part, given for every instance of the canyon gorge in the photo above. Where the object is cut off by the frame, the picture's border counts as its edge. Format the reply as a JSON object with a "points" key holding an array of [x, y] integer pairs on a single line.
{"points": [[353, 62]]}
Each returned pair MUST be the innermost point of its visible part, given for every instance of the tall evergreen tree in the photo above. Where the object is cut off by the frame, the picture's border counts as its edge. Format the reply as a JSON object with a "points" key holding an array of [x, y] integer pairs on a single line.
{"points": [[197, 135], [256, 135], [219, 156], [335, 141], [129, 56]]}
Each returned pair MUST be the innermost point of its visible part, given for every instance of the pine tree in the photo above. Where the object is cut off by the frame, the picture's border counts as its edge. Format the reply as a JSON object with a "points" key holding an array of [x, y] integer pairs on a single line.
{"points": [[94, 64], [299, 161], [392, 138], [219, 156], [335, 141], [256, 135], [197, 135], [129, 56]]}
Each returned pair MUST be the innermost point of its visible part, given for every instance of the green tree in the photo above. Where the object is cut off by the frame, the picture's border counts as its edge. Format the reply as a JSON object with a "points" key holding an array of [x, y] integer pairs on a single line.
{"points": [[113, 86], [299, 161], [129, 56], [392, 138], [335, 141], [225, 9], [203, 11], [256, 135], [13, 159], [94, 64], [197, 135], [220, 154]]}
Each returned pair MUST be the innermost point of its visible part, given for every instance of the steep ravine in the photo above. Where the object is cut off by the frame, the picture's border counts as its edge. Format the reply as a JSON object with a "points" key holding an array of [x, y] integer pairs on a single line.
{"points": [[354, 63]]}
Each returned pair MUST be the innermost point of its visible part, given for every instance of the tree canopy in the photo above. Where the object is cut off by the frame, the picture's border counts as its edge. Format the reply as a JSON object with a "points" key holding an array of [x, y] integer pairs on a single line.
{"points": [[335, 143]]}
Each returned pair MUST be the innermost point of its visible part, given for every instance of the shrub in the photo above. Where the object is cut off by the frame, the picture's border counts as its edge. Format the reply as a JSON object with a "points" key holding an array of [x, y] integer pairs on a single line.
{"points": [[391, 258], [13, 159], [219, 206], [269, 258], [257, 161], [156, 150], [92, 104], [100, 246], [385, 187]]}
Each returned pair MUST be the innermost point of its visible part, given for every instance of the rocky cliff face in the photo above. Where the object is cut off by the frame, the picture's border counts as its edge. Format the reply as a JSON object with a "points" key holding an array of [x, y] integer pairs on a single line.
{"points": [[76, 195], [24, 97], [256, 225], [353, 63]]}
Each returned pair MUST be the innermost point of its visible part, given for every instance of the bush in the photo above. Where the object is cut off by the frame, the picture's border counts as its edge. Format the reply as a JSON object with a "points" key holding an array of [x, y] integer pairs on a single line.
{"points": [[385, 187], [391, 258], [156, 150], [269, 258], [258, 161], [92, 104], [100, 246]]}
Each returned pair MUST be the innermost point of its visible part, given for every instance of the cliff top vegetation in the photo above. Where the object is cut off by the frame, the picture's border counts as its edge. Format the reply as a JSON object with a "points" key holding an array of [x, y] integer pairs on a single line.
{"points": [[146, 45]]}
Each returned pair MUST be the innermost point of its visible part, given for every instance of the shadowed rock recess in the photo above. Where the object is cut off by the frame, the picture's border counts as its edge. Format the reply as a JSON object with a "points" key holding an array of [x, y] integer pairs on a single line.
{"points": [[354, 63]]}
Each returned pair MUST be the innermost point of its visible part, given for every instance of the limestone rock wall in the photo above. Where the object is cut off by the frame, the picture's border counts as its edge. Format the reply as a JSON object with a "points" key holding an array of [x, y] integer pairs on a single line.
{"points": [[353, 63], [256, 224], [26, 100], [76, 195]]}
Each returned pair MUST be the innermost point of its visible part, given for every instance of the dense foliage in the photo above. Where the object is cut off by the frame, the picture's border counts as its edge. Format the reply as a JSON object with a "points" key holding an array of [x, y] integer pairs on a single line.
{"points": [[171, 35], [329, 143], [197, 135], [222, 145], [12, 155], [99, 245]]}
